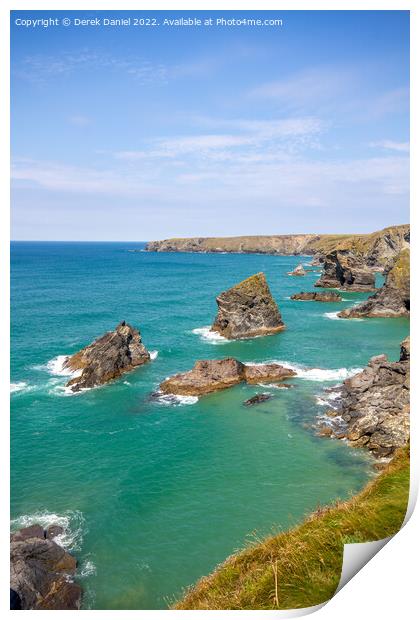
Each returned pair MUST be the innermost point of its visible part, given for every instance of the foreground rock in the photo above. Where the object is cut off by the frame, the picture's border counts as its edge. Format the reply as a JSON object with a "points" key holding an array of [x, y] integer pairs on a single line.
{"points": [[346, 271], [297, 271], [247, 310], [214, 375], [375, 407], [41, 572], [107, 358], [327, 297], [393, 299]]}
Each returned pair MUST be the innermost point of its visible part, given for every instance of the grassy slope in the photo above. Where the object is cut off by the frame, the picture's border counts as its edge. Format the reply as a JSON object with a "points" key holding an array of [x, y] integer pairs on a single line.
{"points": [[302, 567]]}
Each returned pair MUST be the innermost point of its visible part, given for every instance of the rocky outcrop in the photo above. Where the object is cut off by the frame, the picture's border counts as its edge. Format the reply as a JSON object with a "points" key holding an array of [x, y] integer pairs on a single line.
{"points": [[316, 296], [214, 375], [375, 405], [41, 572], [108, 357], [393, 299], [378, 249], [345, 270], [297, 271], [247, 310]]}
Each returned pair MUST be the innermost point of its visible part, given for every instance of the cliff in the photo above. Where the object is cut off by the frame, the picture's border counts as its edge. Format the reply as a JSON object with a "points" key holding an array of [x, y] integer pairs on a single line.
{"points": [[393, 299], [377, 247]]}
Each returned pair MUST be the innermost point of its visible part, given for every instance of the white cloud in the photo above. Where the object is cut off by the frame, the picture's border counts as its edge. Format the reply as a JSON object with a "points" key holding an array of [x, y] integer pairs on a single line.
{"points": [[402, 147]]}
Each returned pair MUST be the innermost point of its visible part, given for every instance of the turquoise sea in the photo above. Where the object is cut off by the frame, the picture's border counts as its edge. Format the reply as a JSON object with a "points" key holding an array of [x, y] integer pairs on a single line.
{"points": [[156, 493]]}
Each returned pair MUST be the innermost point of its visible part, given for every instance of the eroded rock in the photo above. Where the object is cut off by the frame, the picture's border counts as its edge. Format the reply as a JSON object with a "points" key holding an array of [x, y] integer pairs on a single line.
{"points": [[375, 406], [107, 358], [247, 310], [393, 299], [41, 572], [346, 271], [297, 271], [316, 296], [212, 375]]}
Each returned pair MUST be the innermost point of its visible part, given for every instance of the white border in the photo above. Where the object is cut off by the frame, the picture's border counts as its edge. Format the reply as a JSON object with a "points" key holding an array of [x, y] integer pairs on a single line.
{"points": [[387, 586]]}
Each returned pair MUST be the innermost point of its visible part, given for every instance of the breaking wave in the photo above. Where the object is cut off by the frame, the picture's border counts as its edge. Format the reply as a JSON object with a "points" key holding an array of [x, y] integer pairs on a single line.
{"points": [[208, 335], [72, 522]]}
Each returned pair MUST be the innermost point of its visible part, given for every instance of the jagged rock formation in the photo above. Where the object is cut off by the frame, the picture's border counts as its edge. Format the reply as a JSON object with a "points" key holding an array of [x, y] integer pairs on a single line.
{"points": [[214, 375], [297, 271], [247, 310], [345, 270], [393, 299], [41, 572], [316, 296], [107, 358], [375, 406], [378, 249]]}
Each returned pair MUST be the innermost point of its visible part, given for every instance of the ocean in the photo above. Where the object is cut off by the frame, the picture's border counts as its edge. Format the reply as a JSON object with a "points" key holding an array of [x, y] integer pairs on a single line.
{"points": [[155, 492]]}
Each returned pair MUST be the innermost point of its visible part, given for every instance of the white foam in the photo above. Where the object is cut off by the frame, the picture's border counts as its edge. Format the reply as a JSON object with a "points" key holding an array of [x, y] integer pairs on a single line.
{"points": [[20, 386], [332, 315], [315, 374], [176, 399], [153, 354], [87, 569], [208, 335], [72, 522]]}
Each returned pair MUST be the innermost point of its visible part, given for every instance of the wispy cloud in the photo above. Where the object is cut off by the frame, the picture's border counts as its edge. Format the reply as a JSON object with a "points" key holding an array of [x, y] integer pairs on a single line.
{"points": [[247, 140], [42, 67], [391, 145]]}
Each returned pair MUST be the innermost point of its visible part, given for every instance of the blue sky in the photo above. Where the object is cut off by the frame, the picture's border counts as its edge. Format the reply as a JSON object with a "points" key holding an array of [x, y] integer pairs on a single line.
{"points": [[146, 133]]}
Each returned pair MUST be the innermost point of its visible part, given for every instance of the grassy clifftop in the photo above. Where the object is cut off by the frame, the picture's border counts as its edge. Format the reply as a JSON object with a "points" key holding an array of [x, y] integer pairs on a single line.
{"points": [[302, 566]]}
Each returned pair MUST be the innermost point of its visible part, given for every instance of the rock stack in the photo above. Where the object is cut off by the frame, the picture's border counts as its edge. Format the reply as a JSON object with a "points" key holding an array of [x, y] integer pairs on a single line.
{"points": [[247, 310]]}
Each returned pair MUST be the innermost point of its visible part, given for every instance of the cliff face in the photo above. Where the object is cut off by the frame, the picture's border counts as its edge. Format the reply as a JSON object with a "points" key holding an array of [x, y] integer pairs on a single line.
{"points": [[346, 270], [378, 248], [275, 244], [393, 299]]}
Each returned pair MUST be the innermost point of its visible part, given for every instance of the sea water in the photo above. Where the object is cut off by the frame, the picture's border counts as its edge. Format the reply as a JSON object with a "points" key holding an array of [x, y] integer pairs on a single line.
{"points": [[155, 492]]}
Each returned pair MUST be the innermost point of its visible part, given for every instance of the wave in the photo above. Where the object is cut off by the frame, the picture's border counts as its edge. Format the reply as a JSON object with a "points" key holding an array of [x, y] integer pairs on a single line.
{"points": [[153, 354], [87, 569], [332, 315], [315, 374], [175, 399], [72, 522], [208, 335], [20, 386]]}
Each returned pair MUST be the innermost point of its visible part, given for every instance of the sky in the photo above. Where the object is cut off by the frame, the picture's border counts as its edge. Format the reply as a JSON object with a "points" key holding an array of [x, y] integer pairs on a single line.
{"points": [[148, 132]]}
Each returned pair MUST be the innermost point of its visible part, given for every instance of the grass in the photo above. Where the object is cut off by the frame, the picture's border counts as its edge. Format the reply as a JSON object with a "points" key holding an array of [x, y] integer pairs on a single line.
{"points": [[302, 566]]}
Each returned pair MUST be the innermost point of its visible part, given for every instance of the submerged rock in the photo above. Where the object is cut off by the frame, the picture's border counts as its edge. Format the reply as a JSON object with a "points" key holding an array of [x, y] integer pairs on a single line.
{"points": [[327, 296], [247, 310], [346, 270], [297, 271], [213, 375], [107, 358], [41, 572], [393, 299], [257, 399], [375, 407]]}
